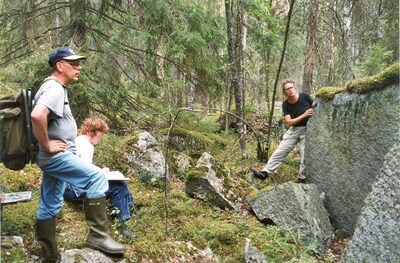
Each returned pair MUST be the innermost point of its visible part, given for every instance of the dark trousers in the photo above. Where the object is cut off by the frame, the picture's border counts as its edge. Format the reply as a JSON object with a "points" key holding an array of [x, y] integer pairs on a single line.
{"points": [[118, 194]]}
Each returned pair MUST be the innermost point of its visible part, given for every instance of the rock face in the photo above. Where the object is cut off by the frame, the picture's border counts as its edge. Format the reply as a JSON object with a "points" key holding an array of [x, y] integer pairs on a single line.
{"points": [[346, 141], [145, 159], [298, 206], [377, 234]]}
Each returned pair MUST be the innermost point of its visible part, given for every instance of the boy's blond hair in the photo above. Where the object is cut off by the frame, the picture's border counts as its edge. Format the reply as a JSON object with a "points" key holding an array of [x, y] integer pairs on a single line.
{"points": [[93, 124]]}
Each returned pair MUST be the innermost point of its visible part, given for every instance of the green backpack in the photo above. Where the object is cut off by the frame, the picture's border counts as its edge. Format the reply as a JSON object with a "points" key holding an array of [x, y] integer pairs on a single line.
{"points": [[18, 145]]}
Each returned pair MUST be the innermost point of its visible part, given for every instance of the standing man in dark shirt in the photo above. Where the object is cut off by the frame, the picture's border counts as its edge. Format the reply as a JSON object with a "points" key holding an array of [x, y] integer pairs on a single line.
{"points": [[297, 109]]}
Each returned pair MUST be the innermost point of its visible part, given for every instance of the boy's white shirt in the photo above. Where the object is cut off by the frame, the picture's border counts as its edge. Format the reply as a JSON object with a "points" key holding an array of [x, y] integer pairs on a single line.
{"points": [[84, 149]]}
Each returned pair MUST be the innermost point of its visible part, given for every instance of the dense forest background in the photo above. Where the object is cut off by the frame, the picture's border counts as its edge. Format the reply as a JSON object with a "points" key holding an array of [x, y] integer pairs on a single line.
{"points": [[148, 60]]}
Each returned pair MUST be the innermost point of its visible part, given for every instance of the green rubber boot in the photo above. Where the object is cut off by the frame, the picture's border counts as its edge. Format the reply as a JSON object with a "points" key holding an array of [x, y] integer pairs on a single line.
{"points": [[46, 236], [96, 217]]}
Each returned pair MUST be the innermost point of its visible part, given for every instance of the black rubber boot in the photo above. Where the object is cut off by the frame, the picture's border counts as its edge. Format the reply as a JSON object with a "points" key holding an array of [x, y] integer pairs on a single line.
{"points": [[98, 238], [46, 236]]}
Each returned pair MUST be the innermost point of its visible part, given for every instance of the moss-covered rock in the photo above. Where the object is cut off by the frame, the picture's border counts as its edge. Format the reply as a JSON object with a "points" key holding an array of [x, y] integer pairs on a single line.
{"points": [[208, 181], [377, 82], [364, 85], [346, 141], [329, 93], [194, 143]]}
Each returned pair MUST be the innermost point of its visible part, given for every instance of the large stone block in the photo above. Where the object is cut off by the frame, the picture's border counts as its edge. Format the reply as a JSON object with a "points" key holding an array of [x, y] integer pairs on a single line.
{"points": [[377, 234], [346, 141]]}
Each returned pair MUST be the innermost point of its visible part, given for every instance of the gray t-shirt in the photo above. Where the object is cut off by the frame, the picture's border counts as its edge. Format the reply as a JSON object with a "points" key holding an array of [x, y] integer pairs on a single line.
{"points": [[62, 125]]}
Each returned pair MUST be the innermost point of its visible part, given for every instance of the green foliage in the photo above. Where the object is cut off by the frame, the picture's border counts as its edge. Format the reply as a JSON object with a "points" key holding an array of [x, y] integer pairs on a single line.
{"points": [[19, 218], [15, 254], [198, 172], [378, 59], [109, 152], [17, 181], [210, 123], [281, 245], [27, 74]]}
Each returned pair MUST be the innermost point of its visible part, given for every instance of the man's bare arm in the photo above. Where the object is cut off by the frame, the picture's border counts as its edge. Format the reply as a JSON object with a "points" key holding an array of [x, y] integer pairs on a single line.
{"points": [[290, 122], [39, 116]]}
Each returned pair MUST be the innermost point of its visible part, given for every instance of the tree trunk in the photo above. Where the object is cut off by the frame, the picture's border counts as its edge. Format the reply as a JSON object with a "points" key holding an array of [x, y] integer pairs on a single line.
{"points": [[347, 53], [239, 84], [25, 28], [311, 34], [229, 32], [236, 57], [180, 92], [78, 23], [267, 70], [332, 42]]}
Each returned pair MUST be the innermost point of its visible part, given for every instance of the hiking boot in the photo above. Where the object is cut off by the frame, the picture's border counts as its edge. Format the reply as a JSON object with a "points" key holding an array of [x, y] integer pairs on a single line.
{"points": [[126, 232], [260, 174]]}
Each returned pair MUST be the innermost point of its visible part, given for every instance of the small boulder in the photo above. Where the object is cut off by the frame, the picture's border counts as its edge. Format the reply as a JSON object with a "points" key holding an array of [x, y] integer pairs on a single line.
{"points": [[146, 159], [252, 254], [297, 206], [206, 182], [87, 255]]}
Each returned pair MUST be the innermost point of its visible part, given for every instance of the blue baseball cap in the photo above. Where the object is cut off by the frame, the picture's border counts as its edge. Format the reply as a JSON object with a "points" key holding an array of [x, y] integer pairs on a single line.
{"points": [[65, 53]]}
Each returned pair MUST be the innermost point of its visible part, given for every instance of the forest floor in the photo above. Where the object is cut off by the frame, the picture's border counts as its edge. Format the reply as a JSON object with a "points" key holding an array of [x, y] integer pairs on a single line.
{"points": [[184, 230]]}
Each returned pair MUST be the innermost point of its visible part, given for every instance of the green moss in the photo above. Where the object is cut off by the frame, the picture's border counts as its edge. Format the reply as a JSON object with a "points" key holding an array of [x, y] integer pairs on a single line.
{"points": [[211, 140], [27, 179], [377, 82], [364, 85], [197, 172], [210, 123], [220, 233], [329, 93]]}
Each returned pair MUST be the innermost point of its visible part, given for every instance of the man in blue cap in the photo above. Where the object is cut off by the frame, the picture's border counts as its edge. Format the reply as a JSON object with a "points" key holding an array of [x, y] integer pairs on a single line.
{"points": [[55, 129]]}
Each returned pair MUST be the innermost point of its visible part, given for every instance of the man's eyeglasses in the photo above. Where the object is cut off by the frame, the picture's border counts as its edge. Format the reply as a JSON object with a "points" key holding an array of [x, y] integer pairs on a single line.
{"points": [[73, 63], [289, 88]]}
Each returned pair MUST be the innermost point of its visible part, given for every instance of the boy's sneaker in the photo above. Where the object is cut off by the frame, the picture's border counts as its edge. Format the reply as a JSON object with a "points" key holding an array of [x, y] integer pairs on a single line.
{"points": [[260, 174], [301, 180], [127, 232]]}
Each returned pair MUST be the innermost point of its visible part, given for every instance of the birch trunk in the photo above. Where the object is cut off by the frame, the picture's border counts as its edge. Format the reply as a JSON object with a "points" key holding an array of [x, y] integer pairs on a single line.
{"points": [[311, 41]]}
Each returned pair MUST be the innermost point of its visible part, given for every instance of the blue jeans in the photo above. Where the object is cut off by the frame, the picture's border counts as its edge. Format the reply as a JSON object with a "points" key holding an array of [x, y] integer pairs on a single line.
{"points": [[70, 169], [118, 193]]}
